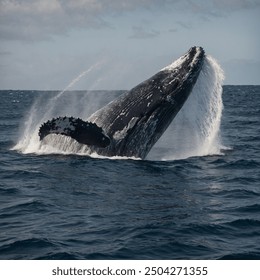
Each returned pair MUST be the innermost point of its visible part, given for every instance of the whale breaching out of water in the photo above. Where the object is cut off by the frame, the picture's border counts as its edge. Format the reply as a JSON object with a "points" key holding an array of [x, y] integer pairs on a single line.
{"points": [[131, 124]]}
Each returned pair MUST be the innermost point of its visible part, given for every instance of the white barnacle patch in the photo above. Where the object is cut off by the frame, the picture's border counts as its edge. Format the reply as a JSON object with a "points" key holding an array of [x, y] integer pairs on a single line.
{"points": [[173, 80], [62, 125], [121, 134], [170, 99], [176, 64], [67, 124], [196, 56], [185, 58]]}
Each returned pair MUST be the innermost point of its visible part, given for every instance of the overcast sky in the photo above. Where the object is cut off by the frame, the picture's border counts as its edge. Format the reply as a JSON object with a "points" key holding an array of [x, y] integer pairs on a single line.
{"points": [[115, 44]]}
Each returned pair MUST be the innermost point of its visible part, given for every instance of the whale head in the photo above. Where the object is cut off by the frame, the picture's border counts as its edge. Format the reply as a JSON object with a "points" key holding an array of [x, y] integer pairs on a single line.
{"points": [[181, 75], [143, 114]]}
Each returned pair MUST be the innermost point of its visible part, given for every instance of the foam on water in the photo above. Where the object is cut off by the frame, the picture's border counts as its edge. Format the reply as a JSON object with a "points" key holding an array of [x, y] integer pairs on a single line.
{"points": [[194, 132]]}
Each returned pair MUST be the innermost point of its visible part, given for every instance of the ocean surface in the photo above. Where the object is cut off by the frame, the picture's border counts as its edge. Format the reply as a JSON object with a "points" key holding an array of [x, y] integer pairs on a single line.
{"points": [[176, 204]]}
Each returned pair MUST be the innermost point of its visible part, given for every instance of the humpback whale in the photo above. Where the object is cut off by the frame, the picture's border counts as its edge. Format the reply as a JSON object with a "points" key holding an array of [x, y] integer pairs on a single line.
{"points": [[131, 124]]}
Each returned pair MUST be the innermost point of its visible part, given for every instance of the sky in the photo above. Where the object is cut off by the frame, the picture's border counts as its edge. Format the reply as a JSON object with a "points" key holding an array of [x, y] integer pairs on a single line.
{"points": [[116, 44]]}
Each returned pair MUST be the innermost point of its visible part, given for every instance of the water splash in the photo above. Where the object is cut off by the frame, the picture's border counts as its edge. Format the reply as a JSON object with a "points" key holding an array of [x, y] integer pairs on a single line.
{"points": [[74, 81], [196, 129], [194, 132], [42, 110]]}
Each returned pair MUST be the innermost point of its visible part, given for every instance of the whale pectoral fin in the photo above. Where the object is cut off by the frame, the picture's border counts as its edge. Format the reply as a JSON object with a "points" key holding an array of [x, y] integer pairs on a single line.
{"points": [[84, 132]]}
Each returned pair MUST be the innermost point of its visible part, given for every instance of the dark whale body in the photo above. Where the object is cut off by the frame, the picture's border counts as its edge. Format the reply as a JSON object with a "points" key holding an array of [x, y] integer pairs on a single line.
{"points": [[130, 125]]}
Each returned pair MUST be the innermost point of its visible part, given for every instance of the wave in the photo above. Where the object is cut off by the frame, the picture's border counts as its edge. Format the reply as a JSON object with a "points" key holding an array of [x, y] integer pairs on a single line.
{"points": [[26, 248], [252, 255]]}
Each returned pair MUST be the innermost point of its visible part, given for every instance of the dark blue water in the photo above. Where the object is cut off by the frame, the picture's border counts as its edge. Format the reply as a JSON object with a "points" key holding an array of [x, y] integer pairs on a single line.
{"points": [[75, 207]]}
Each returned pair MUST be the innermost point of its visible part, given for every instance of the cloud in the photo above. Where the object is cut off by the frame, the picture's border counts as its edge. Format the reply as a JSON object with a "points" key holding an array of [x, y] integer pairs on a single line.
{"points": [[173, 30], [140, 33], [4, 53], [42, 19], [235, 5], [215, 8], [183, 24]]}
